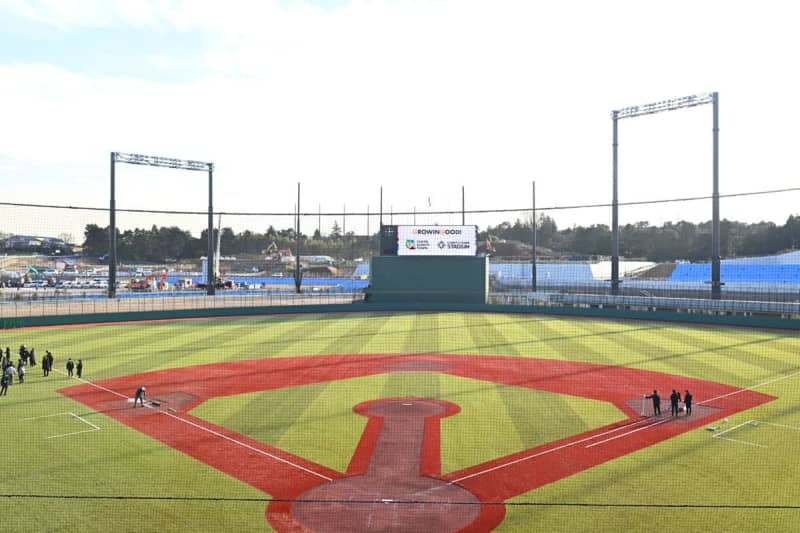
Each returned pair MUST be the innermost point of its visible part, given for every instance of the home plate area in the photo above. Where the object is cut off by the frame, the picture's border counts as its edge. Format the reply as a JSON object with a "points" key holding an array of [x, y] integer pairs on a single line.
{"points": [[645, 407]]}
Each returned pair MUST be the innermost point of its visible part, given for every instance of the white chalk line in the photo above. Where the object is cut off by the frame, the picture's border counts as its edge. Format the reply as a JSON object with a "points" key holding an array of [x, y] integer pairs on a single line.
{"points": [[751, 422], [739, 441], [73, 433], [784, 426], [215, 433], [737, 426], [47, 416], [615, 437], [550, 450], [65, 413], [85, 421], [247, 446], [753, 387], [748, 443]]}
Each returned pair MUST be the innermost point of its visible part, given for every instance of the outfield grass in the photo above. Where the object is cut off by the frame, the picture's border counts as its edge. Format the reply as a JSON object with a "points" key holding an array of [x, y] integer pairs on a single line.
{"points": [[118, 479]]}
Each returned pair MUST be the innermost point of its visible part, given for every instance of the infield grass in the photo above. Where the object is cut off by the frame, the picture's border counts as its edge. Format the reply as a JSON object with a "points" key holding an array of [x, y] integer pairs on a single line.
{"points": [[118, 479]]}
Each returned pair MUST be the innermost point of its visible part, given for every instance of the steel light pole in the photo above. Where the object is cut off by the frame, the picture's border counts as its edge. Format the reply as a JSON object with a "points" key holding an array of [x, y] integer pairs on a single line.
{"points": [[650, 109], [163, 162]]}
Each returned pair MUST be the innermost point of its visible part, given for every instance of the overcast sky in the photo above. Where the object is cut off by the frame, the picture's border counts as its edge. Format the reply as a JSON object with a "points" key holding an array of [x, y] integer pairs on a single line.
{"points": [[420, 97]]}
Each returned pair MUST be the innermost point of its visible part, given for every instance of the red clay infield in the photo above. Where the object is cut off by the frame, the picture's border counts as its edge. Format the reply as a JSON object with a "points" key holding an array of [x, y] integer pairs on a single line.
{"points": [[394, 480]]}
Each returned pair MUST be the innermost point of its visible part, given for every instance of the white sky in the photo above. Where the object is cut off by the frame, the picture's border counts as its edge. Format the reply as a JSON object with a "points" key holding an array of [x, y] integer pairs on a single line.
{"points": [[420, 97]]}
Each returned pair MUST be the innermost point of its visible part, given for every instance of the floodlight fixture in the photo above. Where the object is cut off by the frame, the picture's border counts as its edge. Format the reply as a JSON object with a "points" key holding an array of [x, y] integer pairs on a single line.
{"points": [[164, 162], [664, 105]]}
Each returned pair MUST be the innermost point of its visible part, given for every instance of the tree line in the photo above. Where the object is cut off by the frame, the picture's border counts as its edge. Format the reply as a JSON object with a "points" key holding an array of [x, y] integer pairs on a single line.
{"points": [[670, 241], [164, 244]]}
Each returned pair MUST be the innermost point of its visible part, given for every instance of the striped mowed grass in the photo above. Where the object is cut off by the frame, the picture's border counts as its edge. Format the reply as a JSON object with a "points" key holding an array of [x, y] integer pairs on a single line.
{"points": [[117, 478]]}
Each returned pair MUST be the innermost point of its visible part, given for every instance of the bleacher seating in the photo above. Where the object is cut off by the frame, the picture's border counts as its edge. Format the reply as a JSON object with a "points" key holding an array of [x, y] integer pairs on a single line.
{"points": [[516, 273], [776, 269], [361, 270]]}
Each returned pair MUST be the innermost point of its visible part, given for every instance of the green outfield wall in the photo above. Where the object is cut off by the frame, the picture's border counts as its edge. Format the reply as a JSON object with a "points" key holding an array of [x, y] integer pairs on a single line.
{"points": [[429, 279], [760, 322]]}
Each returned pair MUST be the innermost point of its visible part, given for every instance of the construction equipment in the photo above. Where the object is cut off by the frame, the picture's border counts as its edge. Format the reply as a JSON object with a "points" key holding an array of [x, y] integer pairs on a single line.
{"points": [[148, 283]]}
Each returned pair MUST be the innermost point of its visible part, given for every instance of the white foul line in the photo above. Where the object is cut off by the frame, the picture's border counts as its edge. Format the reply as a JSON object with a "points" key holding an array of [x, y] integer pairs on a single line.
{"points": [[245, 445], [211, 431], [545, 452], [757, 385], [615, 437]]}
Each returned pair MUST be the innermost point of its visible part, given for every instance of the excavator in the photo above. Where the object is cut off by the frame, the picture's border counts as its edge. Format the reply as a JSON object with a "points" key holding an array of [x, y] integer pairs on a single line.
{"points": [[148, 283]]}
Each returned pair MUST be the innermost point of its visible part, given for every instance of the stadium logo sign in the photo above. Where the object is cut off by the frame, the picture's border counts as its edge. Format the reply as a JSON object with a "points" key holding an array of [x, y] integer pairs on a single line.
{"points": [[438, 240]]}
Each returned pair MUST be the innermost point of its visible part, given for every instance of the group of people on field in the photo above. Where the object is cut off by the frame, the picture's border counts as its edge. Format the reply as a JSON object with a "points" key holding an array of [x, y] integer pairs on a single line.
{"points": [[27, 358], [674, 402]]}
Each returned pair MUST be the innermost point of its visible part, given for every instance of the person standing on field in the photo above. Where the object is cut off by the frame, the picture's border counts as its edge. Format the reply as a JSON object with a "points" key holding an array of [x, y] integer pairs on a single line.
{"points": [[4, 385], [79, 367], [674, 400], [687, 401], [656, 402], [71, 365], [10, 371]]}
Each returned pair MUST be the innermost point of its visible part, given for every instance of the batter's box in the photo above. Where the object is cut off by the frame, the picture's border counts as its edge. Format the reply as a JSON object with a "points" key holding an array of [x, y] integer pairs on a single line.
{"points": [[644, 407], [60, 425], [759, 434]]}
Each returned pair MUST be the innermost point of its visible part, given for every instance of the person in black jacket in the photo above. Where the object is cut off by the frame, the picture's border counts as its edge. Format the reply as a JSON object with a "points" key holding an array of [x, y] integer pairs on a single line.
{"points": [[687, 401], [79, 367], [140, 394], [656, 402], [674, 400]]}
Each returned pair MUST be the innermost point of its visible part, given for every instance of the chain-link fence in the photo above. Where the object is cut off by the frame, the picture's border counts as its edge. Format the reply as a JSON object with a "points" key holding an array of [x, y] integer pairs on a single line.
{"points": [[56, 258]]}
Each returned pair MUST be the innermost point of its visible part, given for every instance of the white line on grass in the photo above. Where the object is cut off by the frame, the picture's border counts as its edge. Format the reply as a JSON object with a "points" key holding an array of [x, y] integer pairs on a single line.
{"points": [[211, 431], [615, 437], [48, 416], [784, 426], [751, 422], [737, 426], [743, 442], [94, 427], [245, 445], [85, 421], [73, 433], [545, 452], [753, 387]]}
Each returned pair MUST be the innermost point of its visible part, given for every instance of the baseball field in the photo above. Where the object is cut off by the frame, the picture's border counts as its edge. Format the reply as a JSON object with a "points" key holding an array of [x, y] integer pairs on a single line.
{"points": [[403, 422]]}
